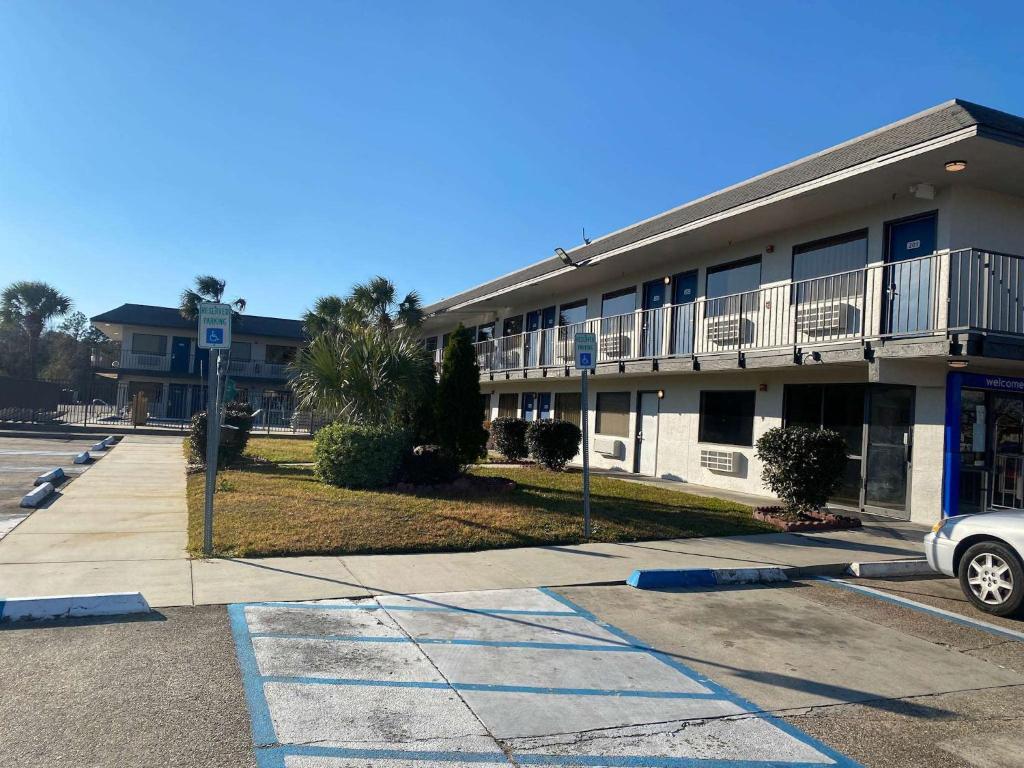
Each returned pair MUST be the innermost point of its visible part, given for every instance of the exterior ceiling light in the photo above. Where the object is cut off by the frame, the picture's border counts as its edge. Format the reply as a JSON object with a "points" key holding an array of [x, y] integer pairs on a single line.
{"points": [[955, 166], [958, 363]]}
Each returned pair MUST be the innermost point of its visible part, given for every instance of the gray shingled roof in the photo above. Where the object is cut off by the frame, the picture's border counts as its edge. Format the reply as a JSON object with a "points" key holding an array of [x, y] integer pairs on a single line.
{"points": [[169, 317], [924, 126]]}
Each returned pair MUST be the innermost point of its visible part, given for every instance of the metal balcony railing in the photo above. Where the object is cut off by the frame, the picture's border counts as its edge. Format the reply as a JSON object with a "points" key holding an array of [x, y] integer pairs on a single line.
{"points": [[950, 291]]}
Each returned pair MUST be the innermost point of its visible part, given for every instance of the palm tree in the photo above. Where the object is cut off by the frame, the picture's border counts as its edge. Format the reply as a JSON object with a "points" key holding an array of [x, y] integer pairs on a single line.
{"points": [[376, 301], [365, 374], [31, 305], [207, 288], [330, 314]]}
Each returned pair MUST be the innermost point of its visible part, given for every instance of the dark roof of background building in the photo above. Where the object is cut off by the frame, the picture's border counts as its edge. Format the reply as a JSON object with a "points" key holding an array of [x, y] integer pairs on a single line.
{"points": [[170, 317], [924, 126]]}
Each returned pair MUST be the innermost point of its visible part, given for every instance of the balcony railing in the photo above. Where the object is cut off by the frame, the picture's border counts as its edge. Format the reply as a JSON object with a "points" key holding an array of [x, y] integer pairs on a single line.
{"points": [[258, 369], [129, 360], [946, 292]]}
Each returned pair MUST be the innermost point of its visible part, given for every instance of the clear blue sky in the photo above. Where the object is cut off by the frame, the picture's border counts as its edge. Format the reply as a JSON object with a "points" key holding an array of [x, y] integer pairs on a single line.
{"points": [[295, 148]]}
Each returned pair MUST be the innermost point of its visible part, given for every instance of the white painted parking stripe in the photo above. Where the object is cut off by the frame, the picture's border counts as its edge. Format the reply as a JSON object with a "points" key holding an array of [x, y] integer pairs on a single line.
{"points": [[522, 673], [956, 618]]}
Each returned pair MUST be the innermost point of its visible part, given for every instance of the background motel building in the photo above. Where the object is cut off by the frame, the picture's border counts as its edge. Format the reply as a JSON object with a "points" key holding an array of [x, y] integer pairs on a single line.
{"points": [[875, 288], [155, 352]]}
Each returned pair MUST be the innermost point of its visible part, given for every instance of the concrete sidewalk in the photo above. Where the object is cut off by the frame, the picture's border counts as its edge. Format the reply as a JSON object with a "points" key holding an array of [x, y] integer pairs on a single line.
{"points": [[123, 527]]}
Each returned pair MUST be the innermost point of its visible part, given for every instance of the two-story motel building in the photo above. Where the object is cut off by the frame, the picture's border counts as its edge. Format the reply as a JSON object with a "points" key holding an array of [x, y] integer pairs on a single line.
{"points": [[876, 288], [155, 352]]}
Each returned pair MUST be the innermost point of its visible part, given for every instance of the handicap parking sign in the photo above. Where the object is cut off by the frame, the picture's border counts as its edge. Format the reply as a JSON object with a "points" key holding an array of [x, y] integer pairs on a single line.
{"points": [[585, 360], [214, 326], [215, 336], [586, 350]]}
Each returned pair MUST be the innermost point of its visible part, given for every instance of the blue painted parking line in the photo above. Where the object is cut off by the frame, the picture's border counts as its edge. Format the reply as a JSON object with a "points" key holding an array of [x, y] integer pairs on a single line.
{"points": [[275, 758], [956, 618], [608, 648], [271, 754], [423, 608], [488, 687]]}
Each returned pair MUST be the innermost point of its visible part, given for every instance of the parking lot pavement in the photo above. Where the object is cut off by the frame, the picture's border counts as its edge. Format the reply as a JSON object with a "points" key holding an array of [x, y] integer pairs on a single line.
{"points": [[23, 459], [507, 677], [160, 691]]}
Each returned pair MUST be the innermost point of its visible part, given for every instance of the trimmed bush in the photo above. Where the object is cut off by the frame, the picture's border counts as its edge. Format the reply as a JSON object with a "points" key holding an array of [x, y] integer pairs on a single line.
{"points": [[553, 443], [803, 467], [428, 465], [358, 456], [232, 441], [509, 437]]}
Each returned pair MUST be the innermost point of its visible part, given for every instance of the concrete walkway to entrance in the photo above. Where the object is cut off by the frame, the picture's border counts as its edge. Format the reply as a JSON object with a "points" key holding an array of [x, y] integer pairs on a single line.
{"points": [[123, 527]]}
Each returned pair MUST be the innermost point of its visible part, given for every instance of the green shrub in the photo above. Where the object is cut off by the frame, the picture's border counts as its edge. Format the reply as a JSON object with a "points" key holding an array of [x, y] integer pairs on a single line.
{"points": [[232, 441], [803, 467], [553, 443], [428, 465], [459, 424], [358, 456], [509, 437]]}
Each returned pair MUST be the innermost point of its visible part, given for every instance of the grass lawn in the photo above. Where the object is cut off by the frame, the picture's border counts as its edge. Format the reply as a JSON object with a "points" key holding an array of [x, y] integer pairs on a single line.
{"points": [[286, 511], [280, 450]]}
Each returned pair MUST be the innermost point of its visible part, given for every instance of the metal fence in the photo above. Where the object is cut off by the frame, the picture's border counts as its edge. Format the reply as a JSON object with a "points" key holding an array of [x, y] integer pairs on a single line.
{"points": [[105, 402]]}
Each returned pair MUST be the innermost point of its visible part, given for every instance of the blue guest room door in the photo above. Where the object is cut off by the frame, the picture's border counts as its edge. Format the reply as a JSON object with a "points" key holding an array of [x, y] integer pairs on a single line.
{"points": [[910, 304], [179, 354]]}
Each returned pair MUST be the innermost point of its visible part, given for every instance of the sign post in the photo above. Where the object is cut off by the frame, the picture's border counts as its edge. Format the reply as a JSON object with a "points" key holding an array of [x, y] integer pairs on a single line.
{"points": [[585, 345], [214, 335]]}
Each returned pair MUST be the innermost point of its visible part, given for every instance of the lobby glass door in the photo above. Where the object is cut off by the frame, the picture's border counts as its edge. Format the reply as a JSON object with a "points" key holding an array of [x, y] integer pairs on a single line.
{"points": [[889, 450]]}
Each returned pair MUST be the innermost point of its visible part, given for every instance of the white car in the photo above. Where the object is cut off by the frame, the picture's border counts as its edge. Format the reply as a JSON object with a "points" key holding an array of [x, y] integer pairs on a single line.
{"points": [[984, 552]]}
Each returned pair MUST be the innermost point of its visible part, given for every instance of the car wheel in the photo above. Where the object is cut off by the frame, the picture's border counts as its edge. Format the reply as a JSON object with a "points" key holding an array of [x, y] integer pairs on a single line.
{"points": [[992, 578]]}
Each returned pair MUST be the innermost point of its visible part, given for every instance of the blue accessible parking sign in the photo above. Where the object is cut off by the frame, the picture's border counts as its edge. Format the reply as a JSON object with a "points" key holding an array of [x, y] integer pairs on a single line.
{"points": [[215, 336]]}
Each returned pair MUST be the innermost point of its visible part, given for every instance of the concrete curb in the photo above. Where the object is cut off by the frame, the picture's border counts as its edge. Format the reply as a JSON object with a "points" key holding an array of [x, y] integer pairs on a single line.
{"points": [[111, 441], [83, 458], [667, 578], [54, 476], [37, 496], [72, 606], [886, 568], [100, 446]]}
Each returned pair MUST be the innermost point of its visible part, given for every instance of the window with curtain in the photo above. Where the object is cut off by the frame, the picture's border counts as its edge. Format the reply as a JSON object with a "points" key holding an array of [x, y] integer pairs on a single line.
{"points": [[241, 350], [726, 280], [149, 344], [508, 405], [575, 312], [822, 269], [612, 414], [618, 302], [567, 407]]}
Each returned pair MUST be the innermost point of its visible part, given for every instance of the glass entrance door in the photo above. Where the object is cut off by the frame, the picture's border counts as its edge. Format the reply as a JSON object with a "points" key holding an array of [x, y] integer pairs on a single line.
{"points": [[889, 450], [1008, 467]]}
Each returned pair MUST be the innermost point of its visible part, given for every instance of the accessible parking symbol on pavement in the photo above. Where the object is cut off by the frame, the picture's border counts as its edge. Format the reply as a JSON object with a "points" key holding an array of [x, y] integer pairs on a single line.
{"points": [[505, 677]]}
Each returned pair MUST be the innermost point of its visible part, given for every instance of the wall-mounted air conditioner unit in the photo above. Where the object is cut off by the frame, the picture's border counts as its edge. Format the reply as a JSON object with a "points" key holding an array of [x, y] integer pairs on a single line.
{"points": [[719, 461], [609, 447], [823, 318]]}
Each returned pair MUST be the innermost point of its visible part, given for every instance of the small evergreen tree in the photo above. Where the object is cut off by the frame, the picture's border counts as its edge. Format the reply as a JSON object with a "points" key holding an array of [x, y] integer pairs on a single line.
{"points": [[459, 425], [803, 467]]}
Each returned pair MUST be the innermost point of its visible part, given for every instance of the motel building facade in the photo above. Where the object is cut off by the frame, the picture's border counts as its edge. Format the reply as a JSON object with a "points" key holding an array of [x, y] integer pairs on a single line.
{"points": [[875, 288]]}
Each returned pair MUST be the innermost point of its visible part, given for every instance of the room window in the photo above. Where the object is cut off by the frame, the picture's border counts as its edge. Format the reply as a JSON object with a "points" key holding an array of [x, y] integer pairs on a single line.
{"points": [[821, 268], [485, 332], [569, 314], [612, 414], [618, 302], [241, 350], [567, 407], [727, 280], [485, 406], [512, 326], [279, 354], [508, 405], [430, 343], [727, 417], [149, 344]]}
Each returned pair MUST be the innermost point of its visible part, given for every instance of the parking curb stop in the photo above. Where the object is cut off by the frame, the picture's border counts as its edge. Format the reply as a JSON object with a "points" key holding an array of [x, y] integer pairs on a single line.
{"points": [[71, 606], [667, 578], [53, 476], [82, 458], [111, 441], [100, 446], [885, 568], [37, 496]]}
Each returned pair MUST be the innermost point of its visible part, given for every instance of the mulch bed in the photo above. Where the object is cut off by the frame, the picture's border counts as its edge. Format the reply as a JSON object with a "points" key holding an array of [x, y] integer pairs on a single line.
{"points": [[466, 485], [794, 522]]}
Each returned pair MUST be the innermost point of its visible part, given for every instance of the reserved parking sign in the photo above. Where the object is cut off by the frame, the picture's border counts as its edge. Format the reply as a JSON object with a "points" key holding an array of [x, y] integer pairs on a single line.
{"points": [[214, 326], [585, 345]]}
